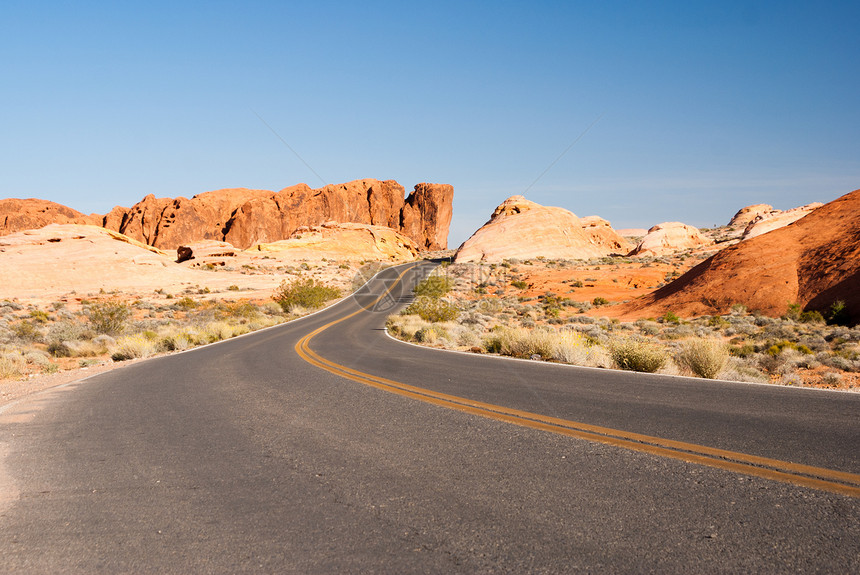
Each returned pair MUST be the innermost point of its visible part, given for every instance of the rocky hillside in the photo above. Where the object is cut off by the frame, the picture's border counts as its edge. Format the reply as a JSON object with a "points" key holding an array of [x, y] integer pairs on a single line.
{"points": [[244, 217], [813, 262]]}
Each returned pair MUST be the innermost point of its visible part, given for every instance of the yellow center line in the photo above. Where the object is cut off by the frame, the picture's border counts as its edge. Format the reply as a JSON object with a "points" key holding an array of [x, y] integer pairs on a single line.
{"points": [[788, 472]]}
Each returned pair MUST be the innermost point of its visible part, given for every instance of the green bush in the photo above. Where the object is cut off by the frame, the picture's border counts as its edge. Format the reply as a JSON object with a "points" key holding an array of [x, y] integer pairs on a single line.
{"points": [[598, 301], [838, 313], [636, 355], [308, 293], [704, 357], [108, 317], [520, 284], [433, 286], [670, 317], [432, 309]]}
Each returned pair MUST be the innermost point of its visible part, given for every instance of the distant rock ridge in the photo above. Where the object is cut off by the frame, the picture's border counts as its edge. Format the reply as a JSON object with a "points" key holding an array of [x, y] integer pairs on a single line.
{"points": [[814, 262], [775, 219], [668, 238], [245, 217], [520, 228]]}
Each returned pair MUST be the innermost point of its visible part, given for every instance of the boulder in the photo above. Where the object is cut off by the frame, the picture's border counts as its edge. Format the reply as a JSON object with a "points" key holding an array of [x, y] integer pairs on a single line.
{"points": [[205, 249], [520, 228], [668, 238]]}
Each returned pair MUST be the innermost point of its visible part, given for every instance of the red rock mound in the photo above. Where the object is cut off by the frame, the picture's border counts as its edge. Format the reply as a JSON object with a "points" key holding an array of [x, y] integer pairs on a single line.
{"points": [[16, 214], [813, 262]]}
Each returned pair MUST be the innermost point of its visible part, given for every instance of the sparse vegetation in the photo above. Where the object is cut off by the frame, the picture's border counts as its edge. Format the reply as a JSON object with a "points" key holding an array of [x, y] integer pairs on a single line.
{"points": [[304, 292], [797, 349], [108, 317]]}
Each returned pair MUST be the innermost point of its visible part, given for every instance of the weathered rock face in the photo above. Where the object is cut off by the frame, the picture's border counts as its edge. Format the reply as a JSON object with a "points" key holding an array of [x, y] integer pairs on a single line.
{"points": [[814, 262], [426, 215], [245, 217], [775, 219], [748, 214], [668, 238], [520, 228], [601, 232], [17, 214], [343, 241], [276, 217]]}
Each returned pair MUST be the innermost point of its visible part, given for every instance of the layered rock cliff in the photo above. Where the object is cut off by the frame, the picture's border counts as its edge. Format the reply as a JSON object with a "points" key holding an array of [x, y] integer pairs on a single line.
{"points": [[245, 217]]}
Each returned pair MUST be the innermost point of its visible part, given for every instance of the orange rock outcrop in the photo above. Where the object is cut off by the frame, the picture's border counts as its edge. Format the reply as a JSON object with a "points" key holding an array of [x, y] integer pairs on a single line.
{"points": [[813, 262], [18, 214]]}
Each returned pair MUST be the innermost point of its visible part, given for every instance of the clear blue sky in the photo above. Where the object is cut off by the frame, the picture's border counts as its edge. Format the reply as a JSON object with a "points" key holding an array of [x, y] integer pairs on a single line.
{"points": [[703, 107]]}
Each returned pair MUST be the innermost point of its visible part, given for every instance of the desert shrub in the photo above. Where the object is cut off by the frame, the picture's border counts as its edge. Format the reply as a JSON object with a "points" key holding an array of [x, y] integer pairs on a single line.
{"points": [[68, 330], [133, 346], [738, 369], [186, 303], [39, 316], [718, 322], [108, 317], [637, 355], [598, 301], [27, 331], [307, 293], [704, 357], [432, 309], [838, 313], [520, 284], [434, 287], [670, 317], [813, 317], [743, 350], [779, 346], [523, 342], [40, 360], [11, 366], [572, 347], [405, 326], [59, 349], [87, 348]]}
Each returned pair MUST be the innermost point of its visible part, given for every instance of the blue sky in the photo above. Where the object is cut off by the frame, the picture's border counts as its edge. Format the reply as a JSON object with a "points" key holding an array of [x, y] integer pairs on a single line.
{"points": [[701, 108]]}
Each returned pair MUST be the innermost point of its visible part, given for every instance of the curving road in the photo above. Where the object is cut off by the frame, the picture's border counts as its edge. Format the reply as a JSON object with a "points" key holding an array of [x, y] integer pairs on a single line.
{"points": [[323, 446]]}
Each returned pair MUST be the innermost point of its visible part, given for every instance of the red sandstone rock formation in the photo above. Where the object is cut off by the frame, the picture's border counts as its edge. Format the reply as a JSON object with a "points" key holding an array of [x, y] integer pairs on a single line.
{"points": [[813, 262], [426, 215], [246, 217]]}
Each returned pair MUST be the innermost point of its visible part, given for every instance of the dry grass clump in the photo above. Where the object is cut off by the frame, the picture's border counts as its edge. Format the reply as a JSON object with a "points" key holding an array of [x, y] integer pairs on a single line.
{"points": [[133, 347], [704, 357], [11, 365], [635, 354]]}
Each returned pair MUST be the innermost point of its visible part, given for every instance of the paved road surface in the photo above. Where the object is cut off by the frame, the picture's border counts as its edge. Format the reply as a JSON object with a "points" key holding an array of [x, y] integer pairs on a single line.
{"points": [[243, 457]]}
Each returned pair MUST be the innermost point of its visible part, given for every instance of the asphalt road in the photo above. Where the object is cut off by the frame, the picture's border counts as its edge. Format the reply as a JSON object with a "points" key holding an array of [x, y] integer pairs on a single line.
{"points": [[244, 457]]}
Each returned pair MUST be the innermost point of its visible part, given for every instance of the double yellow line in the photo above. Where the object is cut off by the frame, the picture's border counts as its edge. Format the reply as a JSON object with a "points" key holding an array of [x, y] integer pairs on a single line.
{"points": [[795, 473]]}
